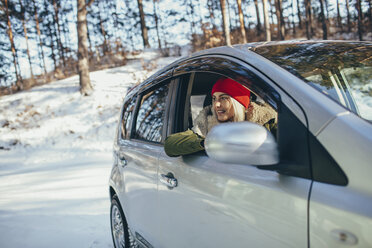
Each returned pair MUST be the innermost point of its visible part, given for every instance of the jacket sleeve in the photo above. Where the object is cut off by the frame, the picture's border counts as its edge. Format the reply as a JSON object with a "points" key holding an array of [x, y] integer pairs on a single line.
{"points": [[272, 126], [183, 143]]}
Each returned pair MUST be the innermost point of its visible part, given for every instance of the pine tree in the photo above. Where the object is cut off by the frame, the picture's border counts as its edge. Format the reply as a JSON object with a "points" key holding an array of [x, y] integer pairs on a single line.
{"points": [[266, 21], [309, 31], [258, 17], [83, 64], [324, 23], [23, 17], [19, 81], [241, 21], [40, 48], [225, 21], [360, 19], [145, 37]]}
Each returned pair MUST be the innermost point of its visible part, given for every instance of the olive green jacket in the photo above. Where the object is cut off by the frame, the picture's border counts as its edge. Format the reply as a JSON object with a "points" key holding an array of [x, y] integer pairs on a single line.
{"points": [[192, 141], [188, 142], [183, 143]]}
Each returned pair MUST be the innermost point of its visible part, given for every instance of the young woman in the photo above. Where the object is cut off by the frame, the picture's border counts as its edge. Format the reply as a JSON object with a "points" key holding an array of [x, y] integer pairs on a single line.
{"points": [[230, 103]]}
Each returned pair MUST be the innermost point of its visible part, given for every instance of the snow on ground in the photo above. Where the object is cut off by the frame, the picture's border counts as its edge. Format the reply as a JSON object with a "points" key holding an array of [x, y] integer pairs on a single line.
{"points": [[56, 156]]}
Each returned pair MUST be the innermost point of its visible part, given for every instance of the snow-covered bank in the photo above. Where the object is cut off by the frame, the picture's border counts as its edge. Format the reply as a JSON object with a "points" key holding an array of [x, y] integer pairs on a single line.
{"points": [[56, 156]]}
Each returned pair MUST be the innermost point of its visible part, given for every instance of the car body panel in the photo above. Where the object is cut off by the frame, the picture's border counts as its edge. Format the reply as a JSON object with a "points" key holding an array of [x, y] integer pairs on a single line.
{"points": [[339, 213], [139, 197], [224, 202], [348, 139], [344, 208]]}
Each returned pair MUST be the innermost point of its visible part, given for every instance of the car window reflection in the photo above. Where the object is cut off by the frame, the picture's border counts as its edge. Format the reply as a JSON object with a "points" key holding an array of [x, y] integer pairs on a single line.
{"points": [[342, 71], [151, 114]]}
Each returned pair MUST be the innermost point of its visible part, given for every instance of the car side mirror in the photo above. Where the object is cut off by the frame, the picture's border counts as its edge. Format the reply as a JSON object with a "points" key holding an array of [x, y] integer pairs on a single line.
{"points": [[242, 143]]}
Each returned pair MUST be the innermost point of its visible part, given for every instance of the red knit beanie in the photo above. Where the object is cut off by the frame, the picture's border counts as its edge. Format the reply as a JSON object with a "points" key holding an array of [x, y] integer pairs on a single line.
{"points": [[234, 89]]}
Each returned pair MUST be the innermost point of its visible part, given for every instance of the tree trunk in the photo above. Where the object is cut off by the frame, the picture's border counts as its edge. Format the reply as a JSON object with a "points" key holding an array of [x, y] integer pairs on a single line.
{"points": [[145, 37], [309, 32], [39, 37], [293, 21], [228, 14], [51, 36], [241, 21], [258, 17], [26, 38], [157, 24], [89, 41], [225, 20], [299, 14], [271, 10], [19, 83], [59, 41], [360, 24], [339, 23], [324, 23], [266, 21], [83, 64], [279, 19], [283, 29], [103, 30], [348, 16]]}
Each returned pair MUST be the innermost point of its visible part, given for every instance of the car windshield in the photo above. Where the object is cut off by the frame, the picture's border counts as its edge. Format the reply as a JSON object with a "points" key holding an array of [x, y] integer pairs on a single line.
{"points": [[340, 70]]}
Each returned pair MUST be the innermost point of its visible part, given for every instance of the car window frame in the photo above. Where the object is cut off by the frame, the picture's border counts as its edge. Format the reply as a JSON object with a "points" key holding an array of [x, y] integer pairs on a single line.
{"points": [[157, 78], [123, 110], [206, 65], [143, 91], [273, 97]]}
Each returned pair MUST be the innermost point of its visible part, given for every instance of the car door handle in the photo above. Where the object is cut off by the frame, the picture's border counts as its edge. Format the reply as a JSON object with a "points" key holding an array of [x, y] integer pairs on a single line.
{"points": [[122, 161], [168, 180]]}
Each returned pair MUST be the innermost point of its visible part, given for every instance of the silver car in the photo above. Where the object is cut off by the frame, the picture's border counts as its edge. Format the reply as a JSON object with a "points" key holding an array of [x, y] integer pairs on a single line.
{"points": [[316, 191]]}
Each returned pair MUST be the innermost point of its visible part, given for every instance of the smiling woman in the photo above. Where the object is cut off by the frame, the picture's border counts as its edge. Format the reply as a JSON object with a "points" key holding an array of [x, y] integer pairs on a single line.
{"points": [[230, 100], [230, 103]]}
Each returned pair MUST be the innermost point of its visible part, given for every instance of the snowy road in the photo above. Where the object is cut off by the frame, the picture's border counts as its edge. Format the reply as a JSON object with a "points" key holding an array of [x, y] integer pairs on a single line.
{"points": [[56, 156], [58, 203]]}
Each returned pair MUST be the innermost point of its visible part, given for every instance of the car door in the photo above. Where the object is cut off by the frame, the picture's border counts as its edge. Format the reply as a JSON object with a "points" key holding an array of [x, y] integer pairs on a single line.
{"points": [[235, 205], [341, 215], [139, 153]]}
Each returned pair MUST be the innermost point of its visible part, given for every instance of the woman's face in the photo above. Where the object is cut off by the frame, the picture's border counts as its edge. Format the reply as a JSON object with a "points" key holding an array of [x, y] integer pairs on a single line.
{"points": [[223, 107]]}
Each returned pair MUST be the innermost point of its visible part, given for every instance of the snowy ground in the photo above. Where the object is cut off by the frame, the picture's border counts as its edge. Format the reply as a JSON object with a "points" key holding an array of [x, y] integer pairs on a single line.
{"points": [[56, 156]]}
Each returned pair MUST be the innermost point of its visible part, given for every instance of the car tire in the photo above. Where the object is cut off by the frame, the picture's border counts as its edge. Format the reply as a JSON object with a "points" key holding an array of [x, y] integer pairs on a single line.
{"points": [[119, 226]]}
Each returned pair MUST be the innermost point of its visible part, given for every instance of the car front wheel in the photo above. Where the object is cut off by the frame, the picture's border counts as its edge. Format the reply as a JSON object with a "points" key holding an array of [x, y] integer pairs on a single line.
{"points": [[119, 226]]}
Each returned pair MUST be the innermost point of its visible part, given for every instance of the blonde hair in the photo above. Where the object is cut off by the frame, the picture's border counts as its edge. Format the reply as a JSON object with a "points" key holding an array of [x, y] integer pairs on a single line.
{"points": [[239, 110]]}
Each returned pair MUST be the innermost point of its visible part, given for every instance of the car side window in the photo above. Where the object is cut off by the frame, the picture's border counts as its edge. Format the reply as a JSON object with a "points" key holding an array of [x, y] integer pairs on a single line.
{"points": [[127, 117], [200, 112], [151, 113]]}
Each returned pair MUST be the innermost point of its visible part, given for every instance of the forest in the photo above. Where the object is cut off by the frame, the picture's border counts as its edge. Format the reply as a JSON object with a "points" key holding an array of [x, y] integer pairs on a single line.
{"points": [[45, 40]]}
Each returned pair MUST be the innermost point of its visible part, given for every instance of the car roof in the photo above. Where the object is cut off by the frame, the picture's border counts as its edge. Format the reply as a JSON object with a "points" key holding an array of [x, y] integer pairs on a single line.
{"points": [[252, 45], [239, 51]]}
